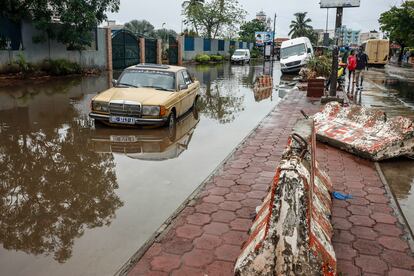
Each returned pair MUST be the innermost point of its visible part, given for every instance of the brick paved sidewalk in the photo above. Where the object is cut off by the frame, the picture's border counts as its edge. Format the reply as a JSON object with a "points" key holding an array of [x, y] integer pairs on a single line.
{"points": [[206, 237]]}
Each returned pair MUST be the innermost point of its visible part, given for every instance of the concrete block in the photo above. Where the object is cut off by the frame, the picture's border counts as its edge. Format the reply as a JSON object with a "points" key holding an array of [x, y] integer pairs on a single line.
{"points": [[365, 132], [291, 234]]}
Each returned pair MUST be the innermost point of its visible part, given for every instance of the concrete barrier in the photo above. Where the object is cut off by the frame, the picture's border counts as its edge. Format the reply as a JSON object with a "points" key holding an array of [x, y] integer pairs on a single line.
{"points": [[365, 132], [291, 234]]}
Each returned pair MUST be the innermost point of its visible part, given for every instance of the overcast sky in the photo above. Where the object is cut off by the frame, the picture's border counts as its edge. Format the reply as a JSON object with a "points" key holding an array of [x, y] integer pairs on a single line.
{"points": [[158, 12]]}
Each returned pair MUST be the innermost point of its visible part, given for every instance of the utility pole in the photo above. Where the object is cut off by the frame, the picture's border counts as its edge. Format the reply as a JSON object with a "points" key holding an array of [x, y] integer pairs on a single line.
{"points": [[335, 54], [274, 37]]}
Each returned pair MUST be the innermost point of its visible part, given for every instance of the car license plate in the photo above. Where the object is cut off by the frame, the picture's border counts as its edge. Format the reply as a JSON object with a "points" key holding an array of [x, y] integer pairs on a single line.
{"points": [[123, 139], [122, 120]]}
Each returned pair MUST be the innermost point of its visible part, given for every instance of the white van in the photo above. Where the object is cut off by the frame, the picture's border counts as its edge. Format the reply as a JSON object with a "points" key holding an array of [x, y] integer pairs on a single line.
{"points": [[241, 56], [294, 54]]}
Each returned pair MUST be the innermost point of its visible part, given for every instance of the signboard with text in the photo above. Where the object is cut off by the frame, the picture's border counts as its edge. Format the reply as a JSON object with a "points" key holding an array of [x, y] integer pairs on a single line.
{"points": [[263, 38], [340, 3]]}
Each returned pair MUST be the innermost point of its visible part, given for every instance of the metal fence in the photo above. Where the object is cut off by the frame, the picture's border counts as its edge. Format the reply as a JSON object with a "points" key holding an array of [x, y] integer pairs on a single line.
{"points": [[125, 49]]}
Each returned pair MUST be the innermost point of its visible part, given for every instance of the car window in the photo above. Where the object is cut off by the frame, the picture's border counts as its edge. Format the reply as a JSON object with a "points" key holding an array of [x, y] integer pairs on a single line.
{"points": [[295, 50], [147, 78], [180, 79], [187, 77]]}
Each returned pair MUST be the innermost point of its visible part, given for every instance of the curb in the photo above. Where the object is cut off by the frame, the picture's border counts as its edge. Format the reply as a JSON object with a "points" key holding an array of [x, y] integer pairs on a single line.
{"points": [[408, 234]]}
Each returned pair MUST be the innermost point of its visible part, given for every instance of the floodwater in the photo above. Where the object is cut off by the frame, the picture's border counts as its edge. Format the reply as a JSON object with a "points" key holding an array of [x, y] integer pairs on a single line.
{"points": [[392, 90], [81, 200]]}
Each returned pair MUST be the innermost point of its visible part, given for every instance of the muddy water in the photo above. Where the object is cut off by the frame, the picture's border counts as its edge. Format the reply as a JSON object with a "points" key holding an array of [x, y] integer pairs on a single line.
{"points": [[392, 90], [81, 200]]}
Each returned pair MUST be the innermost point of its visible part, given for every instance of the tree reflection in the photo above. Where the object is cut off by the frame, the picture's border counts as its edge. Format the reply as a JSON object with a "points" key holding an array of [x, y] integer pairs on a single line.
{"points": [[220, 103], [52, 189]]}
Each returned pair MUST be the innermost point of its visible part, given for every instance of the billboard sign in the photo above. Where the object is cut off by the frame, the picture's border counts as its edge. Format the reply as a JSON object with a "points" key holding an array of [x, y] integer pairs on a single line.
{"points": [[263, 38], [340, 3]]}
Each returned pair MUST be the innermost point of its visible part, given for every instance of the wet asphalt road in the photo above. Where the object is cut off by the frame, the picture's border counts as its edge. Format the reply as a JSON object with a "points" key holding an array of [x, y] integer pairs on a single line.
{"points": [[80, 200]]}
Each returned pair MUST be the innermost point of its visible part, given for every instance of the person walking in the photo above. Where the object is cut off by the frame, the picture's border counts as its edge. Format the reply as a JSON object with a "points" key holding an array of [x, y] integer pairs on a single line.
{"points": [[352, 63], [362, 64]]}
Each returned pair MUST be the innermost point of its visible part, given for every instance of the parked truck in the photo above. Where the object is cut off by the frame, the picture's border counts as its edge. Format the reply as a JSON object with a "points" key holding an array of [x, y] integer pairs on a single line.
{"points": [[377, 51]]}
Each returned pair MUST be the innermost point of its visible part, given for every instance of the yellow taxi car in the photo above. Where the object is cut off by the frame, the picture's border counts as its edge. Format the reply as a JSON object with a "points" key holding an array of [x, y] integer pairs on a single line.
{"points": [[146, 94]]}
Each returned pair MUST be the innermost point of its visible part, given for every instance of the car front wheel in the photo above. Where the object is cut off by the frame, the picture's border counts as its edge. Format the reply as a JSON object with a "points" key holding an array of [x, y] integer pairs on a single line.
{"points": [[171, 119]]}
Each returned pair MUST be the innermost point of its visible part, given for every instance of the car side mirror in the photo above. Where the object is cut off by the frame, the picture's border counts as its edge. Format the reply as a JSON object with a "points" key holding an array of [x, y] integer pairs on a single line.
{"points": [[309, 51], [183, 86], [114, 82]]}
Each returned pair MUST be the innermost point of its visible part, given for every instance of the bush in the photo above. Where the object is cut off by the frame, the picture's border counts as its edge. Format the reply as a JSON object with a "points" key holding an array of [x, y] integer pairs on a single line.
{"points": [[216, 58], [13, 68], [232, 49], [57, 67], [60, 67], [255, 53], [22, 63], [202, 58], [321, 66]]}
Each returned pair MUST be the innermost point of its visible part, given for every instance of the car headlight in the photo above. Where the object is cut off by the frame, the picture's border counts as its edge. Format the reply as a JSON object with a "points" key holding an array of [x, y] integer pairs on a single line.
{"points": [[283, 65], [100, 106], [150, 110]]}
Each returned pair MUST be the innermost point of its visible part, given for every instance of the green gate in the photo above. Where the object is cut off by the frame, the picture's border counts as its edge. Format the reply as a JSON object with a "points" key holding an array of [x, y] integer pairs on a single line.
{"points": [[150, 50], [125, 49], [172, 50]]}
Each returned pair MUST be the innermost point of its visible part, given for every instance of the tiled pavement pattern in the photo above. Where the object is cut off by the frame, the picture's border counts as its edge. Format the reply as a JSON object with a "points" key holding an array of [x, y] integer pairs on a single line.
{"points": [[206, 237]]}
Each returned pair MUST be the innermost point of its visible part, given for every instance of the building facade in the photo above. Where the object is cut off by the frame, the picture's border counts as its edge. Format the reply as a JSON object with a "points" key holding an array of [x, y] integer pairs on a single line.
{"points": [[18, 37], [369, 35], [349, 37], [261, 16]]}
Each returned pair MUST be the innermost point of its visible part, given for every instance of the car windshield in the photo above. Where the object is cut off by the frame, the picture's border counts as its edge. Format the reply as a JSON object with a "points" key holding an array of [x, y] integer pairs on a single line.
{"points": [[160, 80], [239, 53], [295, 50]]}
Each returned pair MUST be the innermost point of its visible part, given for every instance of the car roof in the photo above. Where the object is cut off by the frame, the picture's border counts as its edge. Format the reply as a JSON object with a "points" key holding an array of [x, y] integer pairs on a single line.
{"points": [[294, 41], [156, 67]]}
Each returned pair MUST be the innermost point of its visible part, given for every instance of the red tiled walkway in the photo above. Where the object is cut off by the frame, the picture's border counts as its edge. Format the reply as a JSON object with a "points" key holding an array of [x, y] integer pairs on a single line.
{"points": [[206, 237]]}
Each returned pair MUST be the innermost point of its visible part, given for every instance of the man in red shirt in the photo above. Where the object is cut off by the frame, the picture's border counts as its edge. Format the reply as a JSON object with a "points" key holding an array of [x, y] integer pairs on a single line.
{"points": [[352, 64]]}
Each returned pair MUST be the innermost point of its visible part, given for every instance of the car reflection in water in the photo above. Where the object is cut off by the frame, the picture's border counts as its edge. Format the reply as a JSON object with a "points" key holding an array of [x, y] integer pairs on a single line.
{"points": [[152, 144]]}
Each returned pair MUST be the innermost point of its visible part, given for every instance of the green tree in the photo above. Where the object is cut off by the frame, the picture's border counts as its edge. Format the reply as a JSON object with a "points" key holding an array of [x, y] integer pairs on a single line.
{"points": [[300, 26], [69, 21], [142, 27], [215, 15], [190, 7], [313, 36], [164, 34], [248, 29], [398, 22]]}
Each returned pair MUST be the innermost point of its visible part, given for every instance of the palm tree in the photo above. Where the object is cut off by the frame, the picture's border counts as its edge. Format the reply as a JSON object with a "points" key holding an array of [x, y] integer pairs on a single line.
{"points": [[191, 3], [189, 7], [299, 27], [142, 27]]}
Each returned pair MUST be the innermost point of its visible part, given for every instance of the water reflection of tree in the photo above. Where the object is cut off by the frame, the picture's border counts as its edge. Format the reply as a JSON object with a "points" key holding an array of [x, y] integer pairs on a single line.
{"points": [[52, 189], [220, 102]]}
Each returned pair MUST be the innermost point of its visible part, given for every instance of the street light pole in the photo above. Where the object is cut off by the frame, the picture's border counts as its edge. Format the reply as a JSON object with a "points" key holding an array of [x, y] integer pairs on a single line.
{"points": [[335, 54], [274, 37]]}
